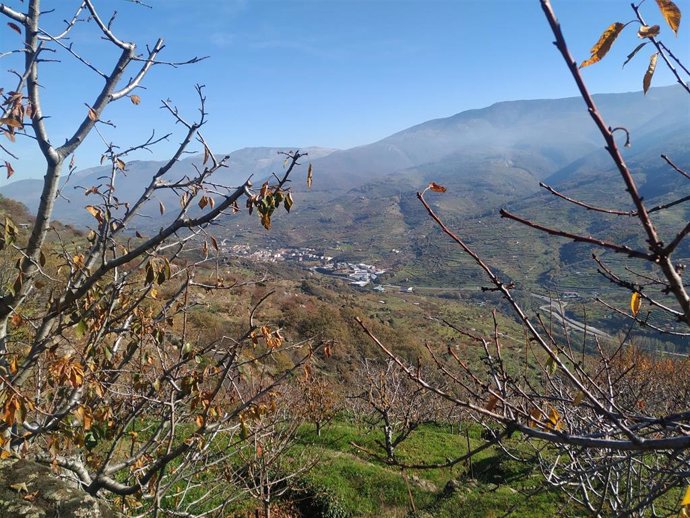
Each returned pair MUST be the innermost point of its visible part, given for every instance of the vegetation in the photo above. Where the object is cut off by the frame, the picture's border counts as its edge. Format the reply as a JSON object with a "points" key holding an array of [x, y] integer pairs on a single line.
{"points": [[177, 383]]}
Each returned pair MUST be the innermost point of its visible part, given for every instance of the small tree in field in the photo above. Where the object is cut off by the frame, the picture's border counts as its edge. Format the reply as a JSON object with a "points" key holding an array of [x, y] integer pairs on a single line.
{"points": [[100, 373], [618, 419]]}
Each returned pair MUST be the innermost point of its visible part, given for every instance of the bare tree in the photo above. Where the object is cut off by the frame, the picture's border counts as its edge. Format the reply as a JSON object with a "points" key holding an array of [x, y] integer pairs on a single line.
{"points": [[615, 423], [102, 376], [390, 403]]}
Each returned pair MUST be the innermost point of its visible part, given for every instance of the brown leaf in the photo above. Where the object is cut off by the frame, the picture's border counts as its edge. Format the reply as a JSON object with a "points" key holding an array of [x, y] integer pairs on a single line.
{"points": [[671, 14], [119, 163], [602, 46], [14, 27], [135, 99], [266, 220], [203, 202], [214, 243], [11, 123], [310, 176], [207, 154], [10, 169], [92, 114], [436, 187], [634, 52], [647, 31], [647, 79], [492, 403], [161, 207], [9, 135], [288, 202]]}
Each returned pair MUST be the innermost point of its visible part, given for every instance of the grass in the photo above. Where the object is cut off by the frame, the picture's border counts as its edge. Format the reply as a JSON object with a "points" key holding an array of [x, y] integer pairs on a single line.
{"points": [[352, 484]]}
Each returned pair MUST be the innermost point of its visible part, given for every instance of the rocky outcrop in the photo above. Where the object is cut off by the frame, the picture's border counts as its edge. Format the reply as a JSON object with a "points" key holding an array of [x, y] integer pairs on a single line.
{"points": [[31, 490]]}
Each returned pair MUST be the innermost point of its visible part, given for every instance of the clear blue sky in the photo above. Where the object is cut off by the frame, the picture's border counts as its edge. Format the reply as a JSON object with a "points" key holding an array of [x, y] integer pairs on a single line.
{"points": [[337, 73]]}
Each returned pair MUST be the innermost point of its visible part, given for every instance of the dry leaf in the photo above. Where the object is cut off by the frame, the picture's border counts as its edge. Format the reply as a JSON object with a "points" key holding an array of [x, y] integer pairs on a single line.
{"points": [[671, 14], [10, 169], [635, 303], [635, 51], [602, 46], [92, 114], [492, 403], [310, 176], [161, 207], [119, 163], [436, 187], [11, 123], [647, 80], [647, 31], [135, 99], [14, 27]]}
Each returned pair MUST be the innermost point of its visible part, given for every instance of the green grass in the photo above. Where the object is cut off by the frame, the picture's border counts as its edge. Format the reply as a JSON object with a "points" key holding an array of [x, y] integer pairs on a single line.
{"points": [[350, 483]]}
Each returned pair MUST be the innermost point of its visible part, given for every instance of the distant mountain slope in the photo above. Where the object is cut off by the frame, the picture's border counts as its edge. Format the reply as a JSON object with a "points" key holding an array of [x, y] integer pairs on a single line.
{"points": [[259, 162], [555, 132]]}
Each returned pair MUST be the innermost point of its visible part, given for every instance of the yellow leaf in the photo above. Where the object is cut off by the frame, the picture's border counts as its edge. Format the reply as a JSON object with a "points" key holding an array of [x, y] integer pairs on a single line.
{"points": [[686, 498], [78, 260], [647, 31], [535, 414], [671, 14], [647, 80], [602, 46], [555, 420], [135, 99], [635, 303]]}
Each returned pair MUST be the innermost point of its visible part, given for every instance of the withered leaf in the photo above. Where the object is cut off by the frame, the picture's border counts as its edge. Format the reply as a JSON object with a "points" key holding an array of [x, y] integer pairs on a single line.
{"points": [[11, 123], [601, 47], [14, 27], [120, 164], [647, 31], [135, 99], [161, 207], [92, 114], [10, 169], [671, 14], [635, 51], [647, 79], [436, 187], [310, 176]]}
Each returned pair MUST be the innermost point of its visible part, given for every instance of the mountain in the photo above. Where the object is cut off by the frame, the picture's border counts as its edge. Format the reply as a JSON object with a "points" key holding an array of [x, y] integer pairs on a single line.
{"points": [[363, 205], [258, 162]]}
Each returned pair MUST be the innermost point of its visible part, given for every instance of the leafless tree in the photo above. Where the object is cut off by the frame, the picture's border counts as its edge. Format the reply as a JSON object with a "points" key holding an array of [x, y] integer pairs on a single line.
{"points": [[102, 375]]}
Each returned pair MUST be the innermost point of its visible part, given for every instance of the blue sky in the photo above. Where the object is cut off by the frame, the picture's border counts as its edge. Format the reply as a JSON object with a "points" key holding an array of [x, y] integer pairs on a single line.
{"points": [[335, 73]]}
